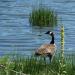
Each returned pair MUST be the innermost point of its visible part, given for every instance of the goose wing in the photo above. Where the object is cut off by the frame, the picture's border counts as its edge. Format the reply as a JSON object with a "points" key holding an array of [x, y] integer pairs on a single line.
{"points": [[45, 49]]}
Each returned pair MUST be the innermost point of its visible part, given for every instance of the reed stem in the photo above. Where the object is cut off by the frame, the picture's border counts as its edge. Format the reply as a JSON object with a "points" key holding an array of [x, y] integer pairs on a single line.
{"points": [[62, 65]]}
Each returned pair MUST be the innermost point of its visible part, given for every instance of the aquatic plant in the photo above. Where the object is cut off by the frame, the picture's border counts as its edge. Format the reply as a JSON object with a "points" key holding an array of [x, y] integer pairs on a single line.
{"points": [[43, 17], [62, 65]]}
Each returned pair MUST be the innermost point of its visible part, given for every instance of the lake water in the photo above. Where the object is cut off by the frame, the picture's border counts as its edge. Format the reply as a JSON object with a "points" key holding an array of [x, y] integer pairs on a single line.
{"points": [[18, 36]]}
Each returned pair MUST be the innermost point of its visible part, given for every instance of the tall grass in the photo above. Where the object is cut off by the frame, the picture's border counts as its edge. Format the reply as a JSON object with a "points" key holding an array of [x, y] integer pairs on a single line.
{"points": [[43, 17], [33, 66]]}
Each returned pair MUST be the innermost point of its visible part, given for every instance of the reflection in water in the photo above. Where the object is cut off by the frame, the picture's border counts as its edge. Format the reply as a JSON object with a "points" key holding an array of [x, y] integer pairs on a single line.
{"points": [[17, 35]]}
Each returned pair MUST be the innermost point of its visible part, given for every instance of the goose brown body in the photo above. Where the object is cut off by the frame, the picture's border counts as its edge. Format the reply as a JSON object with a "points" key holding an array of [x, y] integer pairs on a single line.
{"points": [[46, 49]]}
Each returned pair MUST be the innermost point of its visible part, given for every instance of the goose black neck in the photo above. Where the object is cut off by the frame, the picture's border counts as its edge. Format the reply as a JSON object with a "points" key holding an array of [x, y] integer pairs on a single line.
{"points": [[52, 41]]}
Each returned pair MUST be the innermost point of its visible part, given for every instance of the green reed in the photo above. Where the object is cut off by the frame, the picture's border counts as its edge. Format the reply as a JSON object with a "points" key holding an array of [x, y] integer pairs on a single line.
{"points": [[43, 17]]}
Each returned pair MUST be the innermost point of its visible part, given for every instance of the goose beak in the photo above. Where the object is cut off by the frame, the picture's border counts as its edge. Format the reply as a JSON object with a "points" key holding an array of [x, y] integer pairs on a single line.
{"points": [[46, 33]]}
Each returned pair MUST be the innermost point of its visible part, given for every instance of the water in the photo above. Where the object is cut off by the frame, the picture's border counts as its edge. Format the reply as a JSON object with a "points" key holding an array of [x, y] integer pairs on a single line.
{"points": [[16, 34]]}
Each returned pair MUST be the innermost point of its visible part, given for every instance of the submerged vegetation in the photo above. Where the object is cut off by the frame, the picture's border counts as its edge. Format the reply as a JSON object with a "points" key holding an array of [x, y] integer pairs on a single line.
{"points": [[43, 17]]}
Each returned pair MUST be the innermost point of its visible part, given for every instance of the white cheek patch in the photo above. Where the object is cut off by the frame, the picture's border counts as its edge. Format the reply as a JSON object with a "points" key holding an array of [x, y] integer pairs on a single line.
{"points": [[50, 32]]}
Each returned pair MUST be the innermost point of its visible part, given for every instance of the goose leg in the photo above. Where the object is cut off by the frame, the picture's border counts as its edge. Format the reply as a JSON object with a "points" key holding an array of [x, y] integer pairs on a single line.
{"points": [[44, 59], [50, 57]]}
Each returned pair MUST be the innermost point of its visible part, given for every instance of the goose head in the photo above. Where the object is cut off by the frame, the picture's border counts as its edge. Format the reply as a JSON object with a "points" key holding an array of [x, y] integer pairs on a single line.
{"points": [[50, 33]]}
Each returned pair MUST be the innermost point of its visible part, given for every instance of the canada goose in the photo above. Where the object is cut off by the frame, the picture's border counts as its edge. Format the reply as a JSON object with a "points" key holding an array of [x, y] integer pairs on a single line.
{"points": [[47, 49]]}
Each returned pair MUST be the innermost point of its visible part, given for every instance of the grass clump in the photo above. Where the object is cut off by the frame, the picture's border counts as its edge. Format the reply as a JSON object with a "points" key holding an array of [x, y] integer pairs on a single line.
{"points": [[28, 66], [43, 17]]}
